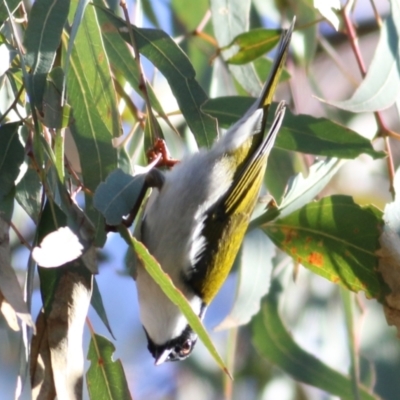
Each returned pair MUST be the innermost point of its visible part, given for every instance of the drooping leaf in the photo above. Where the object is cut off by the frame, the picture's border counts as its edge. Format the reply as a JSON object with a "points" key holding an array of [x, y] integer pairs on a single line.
{"points": [[231, 22], [123, 60], [89, 51], [255, 267], [163, 52], [93, 139], [116, 197], [42, 38], [381, 87], [253, 44], [176, 296], [300, 191], [305, 38], [12, 5], [105, 377], [97, 304], [11, 157], [336, 239], [301, 132], [273, 341], [56, 115]]}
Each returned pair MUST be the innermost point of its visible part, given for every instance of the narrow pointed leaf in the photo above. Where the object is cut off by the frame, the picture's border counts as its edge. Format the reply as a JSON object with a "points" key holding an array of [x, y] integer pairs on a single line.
{"points": [[11, 157], [253, 44], [381, 87], [165, 283], [273, 341], [301, 132], [164, 53], [231, 18], [42, 38]]}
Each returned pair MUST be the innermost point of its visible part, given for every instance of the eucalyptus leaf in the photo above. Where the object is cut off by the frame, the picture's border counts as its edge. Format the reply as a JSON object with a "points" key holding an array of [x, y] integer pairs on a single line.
{"points": [[253, 44], [42, 38], [381, 87], [273, 341], [164, 281], [12, 5], [336, 239], [105, 377], [117, 196], [233, 20], [164, 53], [11, 156], [303, 133]]}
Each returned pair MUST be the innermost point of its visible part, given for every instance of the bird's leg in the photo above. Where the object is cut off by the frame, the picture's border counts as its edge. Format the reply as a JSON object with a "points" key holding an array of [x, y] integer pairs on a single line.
{"points": [[160, 148]]}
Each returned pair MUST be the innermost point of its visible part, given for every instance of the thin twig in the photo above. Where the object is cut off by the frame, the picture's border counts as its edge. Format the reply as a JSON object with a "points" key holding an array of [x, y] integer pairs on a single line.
{"points": [[383, 130], [376, 13], [20, 237]]}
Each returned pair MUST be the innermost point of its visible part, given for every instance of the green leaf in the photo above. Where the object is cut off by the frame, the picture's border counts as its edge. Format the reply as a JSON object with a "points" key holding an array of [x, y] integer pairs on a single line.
{"points": [[105, 377], [272, 340], [305, 38], [336, 239], [166, 55], [12, 5], [42, 38], [381, 87], [11, 156], [301, 191], [302, 133], [97, 303], [89, 52], [176, 296], [93, 138], [117, 196], [253, 44], [122, 59], [55, 116], [255, 267], [230, 18]]}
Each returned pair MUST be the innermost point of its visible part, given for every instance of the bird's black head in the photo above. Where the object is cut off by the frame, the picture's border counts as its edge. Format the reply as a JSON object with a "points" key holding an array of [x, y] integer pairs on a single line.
{"points": [[176, 349]]}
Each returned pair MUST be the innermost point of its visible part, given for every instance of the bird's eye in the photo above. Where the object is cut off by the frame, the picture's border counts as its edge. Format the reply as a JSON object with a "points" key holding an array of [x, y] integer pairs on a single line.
{"points": [[186, 348]]}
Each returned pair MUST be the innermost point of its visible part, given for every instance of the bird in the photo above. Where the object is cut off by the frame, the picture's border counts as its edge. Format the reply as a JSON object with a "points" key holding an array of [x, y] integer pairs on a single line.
{"points": [[197, 215]]}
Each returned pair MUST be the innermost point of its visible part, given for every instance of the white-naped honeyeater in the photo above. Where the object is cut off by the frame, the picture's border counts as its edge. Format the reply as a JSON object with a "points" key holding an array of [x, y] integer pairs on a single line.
{"points": [[196, 218]]}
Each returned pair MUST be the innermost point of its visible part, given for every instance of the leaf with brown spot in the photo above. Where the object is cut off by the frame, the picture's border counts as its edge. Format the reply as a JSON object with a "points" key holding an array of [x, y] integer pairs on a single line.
{"points": [[105, 377], [323, 236]]}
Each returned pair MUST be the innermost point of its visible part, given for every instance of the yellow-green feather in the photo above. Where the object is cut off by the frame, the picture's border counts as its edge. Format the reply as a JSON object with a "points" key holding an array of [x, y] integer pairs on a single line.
{"points": [[227, 222]]}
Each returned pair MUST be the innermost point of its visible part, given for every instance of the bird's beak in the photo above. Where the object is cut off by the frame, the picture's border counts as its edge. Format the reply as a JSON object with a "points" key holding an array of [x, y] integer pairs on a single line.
{"points": [[162, 357]]}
